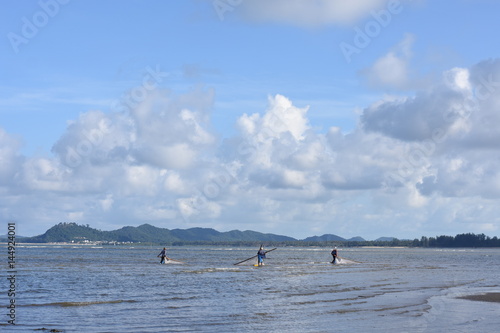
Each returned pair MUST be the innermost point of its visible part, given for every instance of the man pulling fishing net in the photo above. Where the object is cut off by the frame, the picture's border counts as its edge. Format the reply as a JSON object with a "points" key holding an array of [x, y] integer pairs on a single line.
{"points": [[261, 254], [334, 255]]}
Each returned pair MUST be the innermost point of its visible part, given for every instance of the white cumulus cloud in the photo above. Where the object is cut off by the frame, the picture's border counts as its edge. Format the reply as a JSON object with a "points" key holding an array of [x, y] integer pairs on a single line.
{"points": [[392, 70], [421, 163], [310, 13]]}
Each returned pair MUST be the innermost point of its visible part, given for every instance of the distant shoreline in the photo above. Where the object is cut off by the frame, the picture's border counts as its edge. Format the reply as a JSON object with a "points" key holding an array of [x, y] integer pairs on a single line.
{"points": [[60, 244], [243, 244], [71, 233], [386, 247]]}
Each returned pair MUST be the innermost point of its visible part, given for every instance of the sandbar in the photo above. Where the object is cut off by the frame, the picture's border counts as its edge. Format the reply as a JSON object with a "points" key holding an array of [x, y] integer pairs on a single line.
{"points": [[487, 297]]}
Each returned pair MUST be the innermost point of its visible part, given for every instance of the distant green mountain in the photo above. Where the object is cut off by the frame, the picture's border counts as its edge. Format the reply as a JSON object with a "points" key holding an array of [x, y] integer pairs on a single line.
{"points": [[325, 238], [68, 232], [356, 239], [385, 239]]}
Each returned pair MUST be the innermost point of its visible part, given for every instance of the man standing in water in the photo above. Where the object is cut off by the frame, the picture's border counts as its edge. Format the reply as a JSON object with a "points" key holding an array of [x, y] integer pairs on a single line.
{"points": [[163, 255], [334, 254], [261, 254]]}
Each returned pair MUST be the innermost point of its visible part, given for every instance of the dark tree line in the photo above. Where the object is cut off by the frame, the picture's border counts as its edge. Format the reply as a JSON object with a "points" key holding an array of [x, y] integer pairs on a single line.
{"points": [[461, 240]]}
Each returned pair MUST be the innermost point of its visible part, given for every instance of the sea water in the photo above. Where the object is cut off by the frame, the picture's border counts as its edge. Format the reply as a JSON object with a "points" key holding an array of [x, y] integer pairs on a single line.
{"points": [[125, 289]]}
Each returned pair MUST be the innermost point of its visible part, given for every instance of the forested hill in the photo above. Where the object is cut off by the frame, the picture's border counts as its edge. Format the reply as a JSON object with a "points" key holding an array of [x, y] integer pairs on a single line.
{"points": [[332, 238], [146, 233]]}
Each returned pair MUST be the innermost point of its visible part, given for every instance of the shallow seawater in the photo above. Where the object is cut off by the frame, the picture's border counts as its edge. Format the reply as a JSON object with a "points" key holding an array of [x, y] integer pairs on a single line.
{"points": [[125, 289]]}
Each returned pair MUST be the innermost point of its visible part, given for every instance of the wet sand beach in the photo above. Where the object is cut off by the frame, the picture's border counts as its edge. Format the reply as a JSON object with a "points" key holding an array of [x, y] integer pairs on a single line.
{"points": [[488, 297]]}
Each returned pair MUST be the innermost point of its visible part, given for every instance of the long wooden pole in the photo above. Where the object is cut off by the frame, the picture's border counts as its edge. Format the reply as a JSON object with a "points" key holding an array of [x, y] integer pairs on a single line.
{"points": [[254, 256]]}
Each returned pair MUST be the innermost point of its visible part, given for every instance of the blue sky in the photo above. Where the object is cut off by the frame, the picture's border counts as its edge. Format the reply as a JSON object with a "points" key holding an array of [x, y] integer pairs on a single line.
{"points": [[328, 133]]}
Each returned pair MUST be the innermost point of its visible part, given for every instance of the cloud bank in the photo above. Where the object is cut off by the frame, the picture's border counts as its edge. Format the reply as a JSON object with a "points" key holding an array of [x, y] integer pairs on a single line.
{"points": [[421, 164]]}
